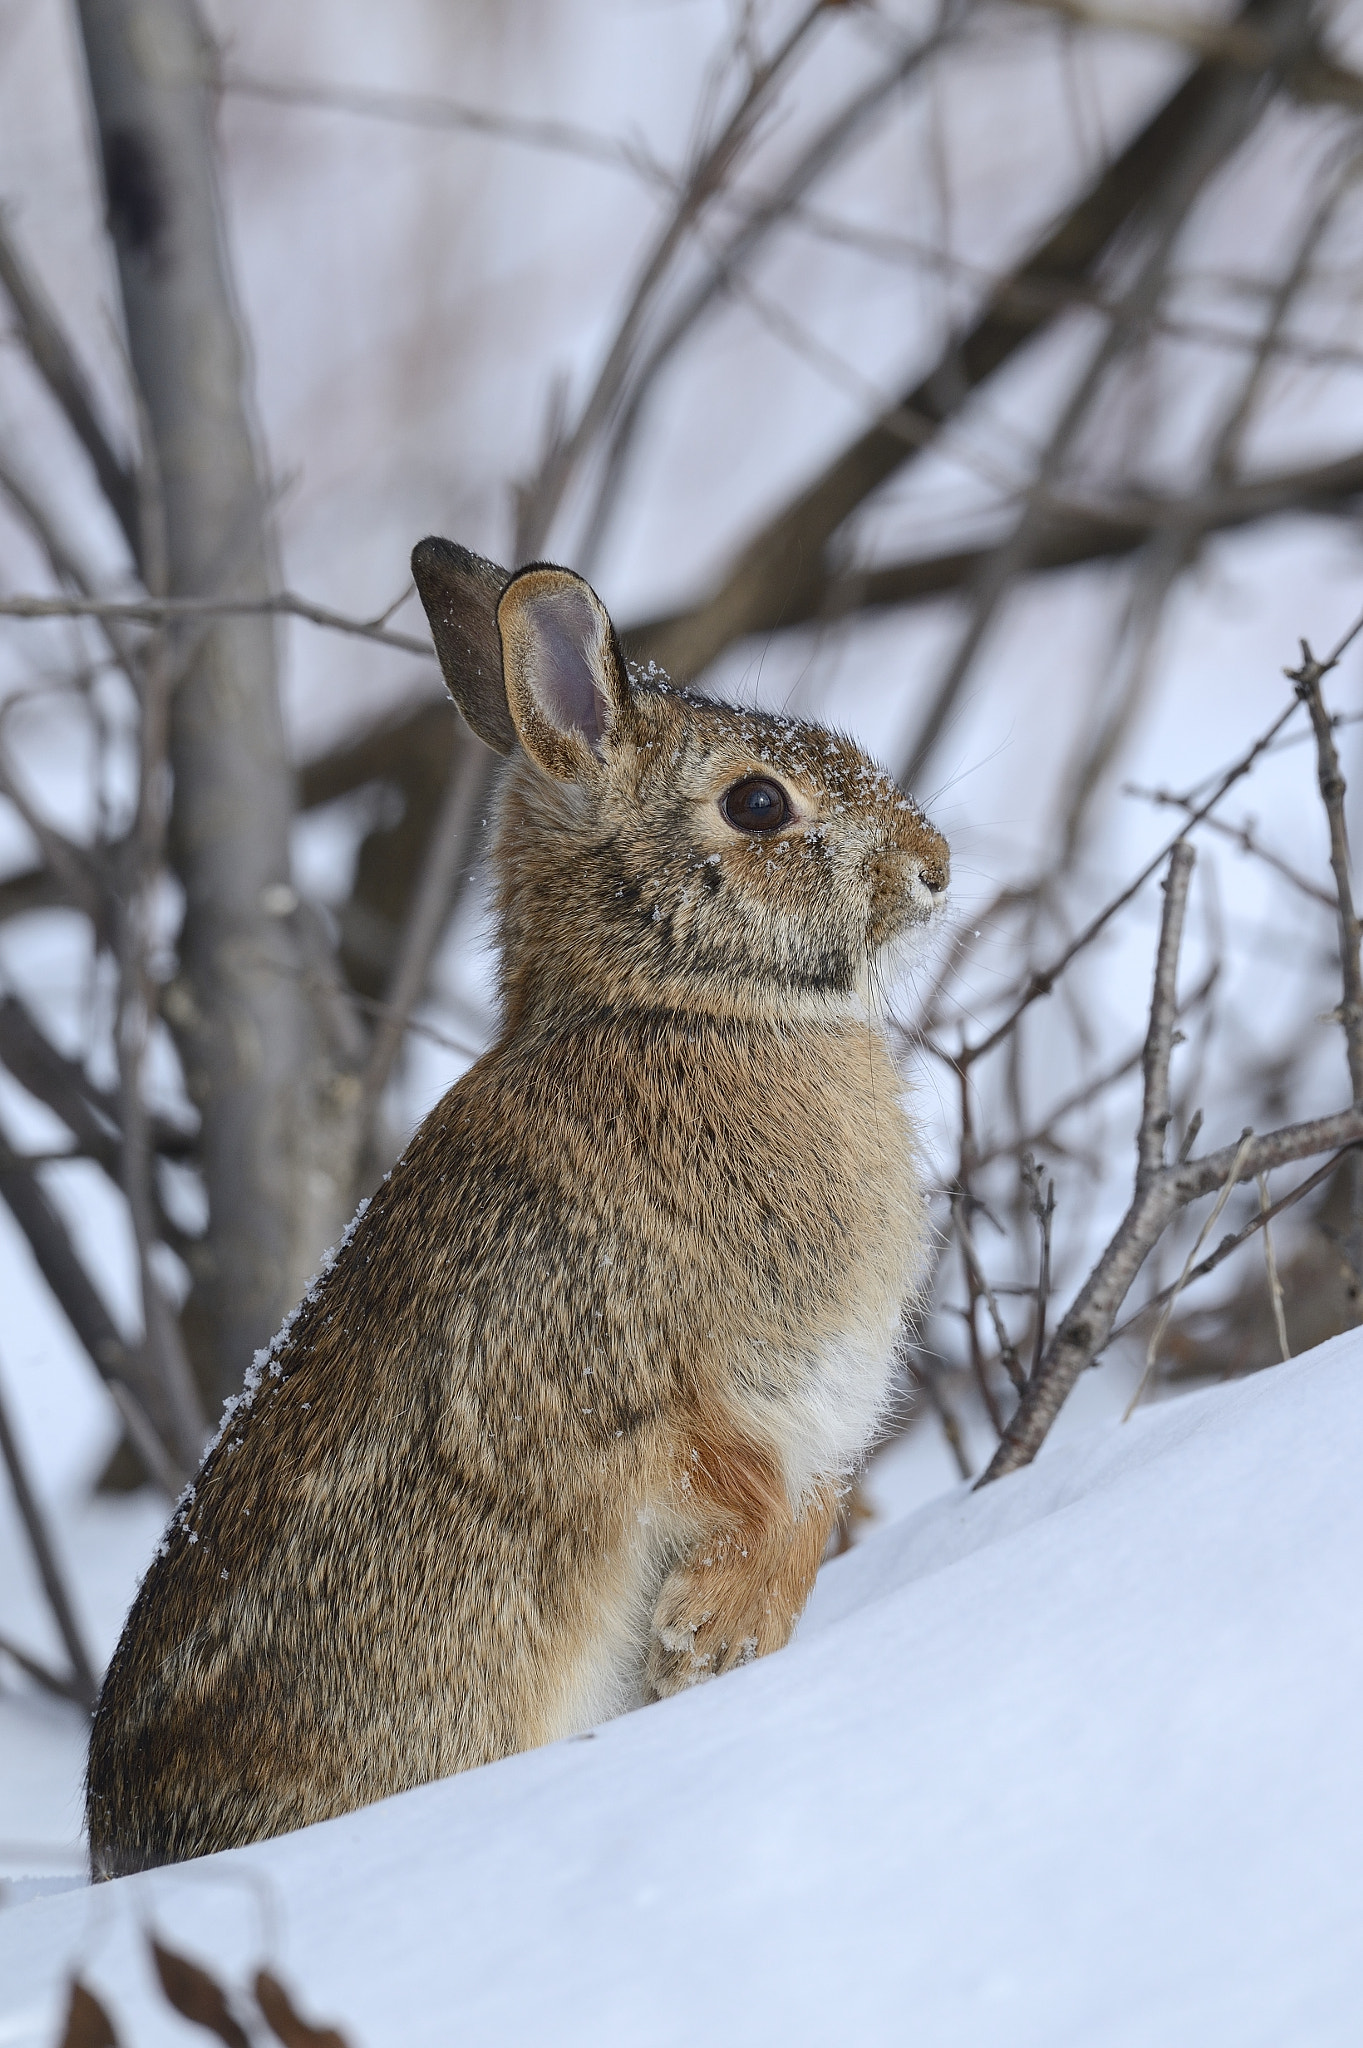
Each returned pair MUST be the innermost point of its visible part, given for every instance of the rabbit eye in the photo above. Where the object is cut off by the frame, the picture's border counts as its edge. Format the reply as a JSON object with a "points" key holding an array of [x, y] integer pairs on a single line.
{"points": [[756, 804]]}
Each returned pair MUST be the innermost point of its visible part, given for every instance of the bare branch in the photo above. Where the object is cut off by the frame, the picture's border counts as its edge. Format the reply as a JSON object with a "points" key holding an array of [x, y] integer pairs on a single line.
{"points": [[83, 1683], [156, 611], [56, 363], [1012, 1364], [119, 1364], [725, 270], [1275, 1286], [1307, 679], [1087, 1326], [29, 890], [1044, 1212], [1043, 980], [1208, 1225], [1243, 837], [1308, 76], [69, 863], [431, 110], [1233, 1242], [769, 584], [1159, 1042], [541, 497], [50, 1681], [447, 856], [924, 1374]]}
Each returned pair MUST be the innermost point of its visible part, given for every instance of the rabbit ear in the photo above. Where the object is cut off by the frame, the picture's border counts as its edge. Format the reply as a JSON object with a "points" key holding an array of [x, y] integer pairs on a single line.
{"points": [[566, 683], [460, 593]]}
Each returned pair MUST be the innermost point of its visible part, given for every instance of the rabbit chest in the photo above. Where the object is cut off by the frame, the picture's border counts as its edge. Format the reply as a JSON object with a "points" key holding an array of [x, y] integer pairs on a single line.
{"points": [[762, 1227]]}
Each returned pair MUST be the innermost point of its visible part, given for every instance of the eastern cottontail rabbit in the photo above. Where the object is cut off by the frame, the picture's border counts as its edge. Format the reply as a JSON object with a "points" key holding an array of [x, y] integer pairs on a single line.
{"points": [[562, 1427]]}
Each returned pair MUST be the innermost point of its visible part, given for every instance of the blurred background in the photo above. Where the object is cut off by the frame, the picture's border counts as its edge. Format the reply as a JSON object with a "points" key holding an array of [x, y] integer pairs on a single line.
{"points": [[983, 379]]}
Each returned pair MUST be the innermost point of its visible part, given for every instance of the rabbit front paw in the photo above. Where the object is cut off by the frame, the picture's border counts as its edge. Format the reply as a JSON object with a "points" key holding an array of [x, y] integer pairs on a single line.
{"points": [[696, 1635]]}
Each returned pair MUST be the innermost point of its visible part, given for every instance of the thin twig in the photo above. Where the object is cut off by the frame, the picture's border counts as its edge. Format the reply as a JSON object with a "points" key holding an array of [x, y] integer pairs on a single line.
{"points": [[83, 1684], [1087, 1327], [1044, 1212], [541, 497], [41, 1674], [1275, 1285], [925, 1373], [446, 857], [1243, 837], [1233, 1242], [1082, 1098], [1159, 1041], [1008, 1356], [59, 367], [1157, 1334], [1044, 979], [431, 110], [137, 990], [156, 611], [1307, 679], [1330, 779], [1308, 75]]}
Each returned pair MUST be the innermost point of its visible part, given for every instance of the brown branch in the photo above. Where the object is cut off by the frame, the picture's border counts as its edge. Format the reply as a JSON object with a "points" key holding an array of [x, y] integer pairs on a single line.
{"points": [[83, 1684]]}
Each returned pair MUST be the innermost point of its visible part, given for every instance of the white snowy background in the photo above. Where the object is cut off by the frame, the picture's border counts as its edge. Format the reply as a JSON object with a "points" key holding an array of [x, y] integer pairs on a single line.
{"points": [[1073, 1760]]}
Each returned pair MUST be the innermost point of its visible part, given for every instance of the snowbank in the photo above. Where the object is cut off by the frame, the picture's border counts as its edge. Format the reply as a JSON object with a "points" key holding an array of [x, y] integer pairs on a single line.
{"points": [[1072, 1761]]}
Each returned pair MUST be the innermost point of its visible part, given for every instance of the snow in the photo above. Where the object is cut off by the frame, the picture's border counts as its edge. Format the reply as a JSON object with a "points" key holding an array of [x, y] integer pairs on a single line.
{"points": [[1072, 1760]]}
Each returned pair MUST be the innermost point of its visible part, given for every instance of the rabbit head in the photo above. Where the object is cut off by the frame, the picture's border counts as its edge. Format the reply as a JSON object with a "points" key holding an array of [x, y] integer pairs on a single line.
{"points": [[657, 848]]}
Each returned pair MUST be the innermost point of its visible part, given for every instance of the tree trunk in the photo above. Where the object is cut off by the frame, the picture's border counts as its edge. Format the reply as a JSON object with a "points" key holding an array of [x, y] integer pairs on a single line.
{"points": [[274, 1099]]}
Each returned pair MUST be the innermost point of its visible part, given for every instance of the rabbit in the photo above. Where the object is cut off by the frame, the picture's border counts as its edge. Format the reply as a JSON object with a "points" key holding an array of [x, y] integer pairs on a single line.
{"points": [[563, 1428]]}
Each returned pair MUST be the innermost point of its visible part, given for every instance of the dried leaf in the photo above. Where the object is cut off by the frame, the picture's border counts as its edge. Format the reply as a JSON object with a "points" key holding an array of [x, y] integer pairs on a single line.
{"points": [[197, 1996], [277, 2006], [87, 2023]]}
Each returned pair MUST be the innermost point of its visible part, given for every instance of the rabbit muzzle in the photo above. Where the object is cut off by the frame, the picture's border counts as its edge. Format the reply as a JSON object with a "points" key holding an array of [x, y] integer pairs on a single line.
{"points": [[907, 885]]}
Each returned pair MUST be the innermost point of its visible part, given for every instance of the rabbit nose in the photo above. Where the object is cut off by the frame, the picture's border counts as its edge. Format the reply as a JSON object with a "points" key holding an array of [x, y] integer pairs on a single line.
{"points": [[934, 872]]}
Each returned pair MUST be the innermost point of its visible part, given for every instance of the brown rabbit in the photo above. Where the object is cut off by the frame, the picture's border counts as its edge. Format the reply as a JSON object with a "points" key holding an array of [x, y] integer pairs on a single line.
{"points": [[562, 1427]]}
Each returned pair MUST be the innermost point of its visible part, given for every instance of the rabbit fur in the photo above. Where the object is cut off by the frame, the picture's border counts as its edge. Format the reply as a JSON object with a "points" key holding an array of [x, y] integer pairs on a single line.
{"points": [[563, 1426]]}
